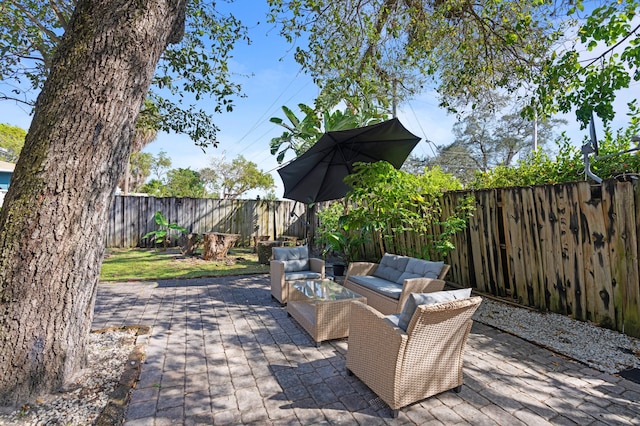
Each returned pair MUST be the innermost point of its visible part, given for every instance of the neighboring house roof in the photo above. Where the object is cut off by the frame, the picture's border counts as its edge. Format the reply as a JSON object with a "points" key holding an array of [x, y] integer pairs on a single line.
{"points": [[6, 167]]}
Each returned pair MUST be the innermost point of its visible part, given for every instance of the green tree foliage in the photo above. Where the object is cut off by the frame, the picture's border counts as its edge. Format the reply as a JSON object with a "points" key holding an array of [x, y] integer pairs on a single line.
{"points": [[301, 134], [184, 183], [236, 177], [389, 49], [139, 169], [568, 166], [11, 142], [160, 165], [30, 32], [153, 187], [569, 80], [385, 202], [452, 159]]}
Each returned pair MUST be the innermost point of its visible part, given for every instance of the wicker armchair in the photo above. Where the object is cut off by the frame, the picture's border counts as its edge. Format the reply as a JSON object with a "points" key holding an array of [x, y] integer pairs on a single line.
{"points": [[405, 367], [291, 264]]}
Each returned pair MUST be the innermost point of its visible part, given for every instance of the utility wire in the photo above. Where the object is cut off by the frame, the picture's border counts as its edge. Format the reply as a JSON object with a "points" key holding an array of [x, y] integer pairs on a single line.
{"points": [[427, 140]]}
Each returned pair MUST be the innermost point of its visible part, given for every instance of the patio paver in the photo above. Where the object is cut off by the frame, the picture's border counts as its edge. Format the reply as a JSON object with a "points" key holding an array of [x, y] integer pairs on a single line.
{"points": [[222, 351]]}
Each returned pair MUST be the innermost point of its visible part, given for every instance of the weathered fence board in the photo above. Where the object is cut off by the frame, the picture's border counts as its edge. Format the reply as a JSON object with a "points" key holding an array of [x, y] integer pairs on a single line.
{"points": [[534, 286], [575, 255], [595, 249], [515, 244]]}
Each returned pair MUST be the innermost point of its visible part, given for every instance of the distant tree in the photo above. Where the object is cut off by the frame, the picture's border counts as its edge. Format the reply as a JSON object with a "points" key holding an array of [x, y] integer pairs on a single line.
{"points": [[147, 125], [160, 165], [184, 183], [235, 178], [452, 159], [153, 187], [11, 142], [179, 183], [140, 169], [270, 195], [490, 141]]}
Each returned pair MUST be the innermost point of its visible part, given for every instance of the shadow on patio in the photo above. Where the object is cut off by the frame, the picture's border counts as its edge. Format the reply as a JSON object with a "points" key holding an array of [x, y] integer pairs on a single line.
{"points": [[222, 351]]}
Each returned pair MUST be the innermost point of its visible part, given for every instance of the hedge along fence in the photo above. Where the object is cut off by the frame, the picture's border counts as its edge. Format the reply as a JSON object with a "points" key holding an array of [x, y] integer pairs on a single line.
{"points": [[570, 249], [131, 217]]}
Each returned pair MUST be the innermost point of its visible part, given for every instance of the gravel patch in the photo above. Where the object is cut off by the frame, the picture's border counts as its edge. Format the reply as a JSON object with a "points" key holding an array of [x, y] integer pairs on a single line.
{"points": [[88, 394], [600, 348]]}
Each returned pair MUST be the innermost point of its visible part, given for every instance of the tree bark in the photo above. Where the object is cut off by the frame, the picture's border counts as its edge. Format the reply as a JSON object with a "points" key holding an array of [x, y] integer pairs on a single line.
{"points": [[53, 220]]}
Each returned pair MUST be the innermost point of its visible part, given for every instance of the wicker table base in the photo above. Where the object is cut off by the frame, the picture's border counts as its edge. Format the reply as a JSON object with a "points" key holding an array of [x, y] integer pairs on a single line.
{"points": [[322, 308]]}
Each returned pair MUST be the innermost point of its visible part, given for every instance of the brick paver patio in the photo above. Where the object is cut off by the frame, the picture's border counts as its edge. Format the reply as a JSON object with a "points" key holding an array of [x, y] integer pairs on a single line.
{"points": [[222, 351]]}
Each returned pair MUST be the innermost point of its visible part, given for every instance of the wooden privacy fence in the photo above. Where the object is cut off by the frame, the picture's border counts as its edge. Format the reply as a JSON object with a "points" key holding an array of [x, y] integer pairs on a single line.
{"points": [[570, 249], [131, 217]]}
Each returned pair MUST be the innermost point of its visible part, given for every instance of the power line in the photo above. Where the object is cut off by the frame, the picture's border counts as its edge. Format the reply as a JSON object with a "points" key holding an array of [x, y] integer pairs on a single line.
{"points": [[427, 140], [260, 121]]}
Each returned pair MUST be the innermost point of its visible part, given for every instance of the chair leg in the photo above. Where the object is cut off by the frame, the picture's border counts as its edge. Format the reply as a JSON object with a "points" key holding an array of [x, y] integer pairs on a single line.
{"points": [[457, 389], [394, 413], [349, 372]]}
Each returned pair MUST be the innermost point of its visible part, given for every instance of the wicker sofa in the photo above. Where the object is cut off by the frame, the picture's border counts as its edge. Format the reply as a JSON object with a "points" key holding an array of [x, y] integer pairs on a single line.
{"points": [[403, 367], [387, 285]]}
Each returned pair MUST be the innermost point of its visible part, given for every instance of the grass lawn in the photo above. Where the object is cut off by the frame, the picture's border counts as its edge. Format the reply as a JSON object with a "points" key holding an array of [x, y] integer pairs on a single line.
{"points": [[149, 264]]}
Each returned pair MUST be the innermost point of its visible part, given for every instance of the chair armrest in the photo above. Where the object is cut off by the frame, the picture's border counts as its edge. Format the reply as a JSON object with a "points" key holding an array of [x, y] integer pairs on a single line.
{"points": [[316, 265], [443, 271], [276, 271], [366, 322], [418, 285], [360, 268], [375, 346]]}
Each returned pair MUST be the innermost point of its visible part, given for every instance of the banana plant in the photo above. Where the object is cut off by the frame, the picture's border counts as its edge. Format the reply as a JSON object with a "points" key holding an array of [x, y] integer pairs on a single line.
{"points": [[163, 235]]}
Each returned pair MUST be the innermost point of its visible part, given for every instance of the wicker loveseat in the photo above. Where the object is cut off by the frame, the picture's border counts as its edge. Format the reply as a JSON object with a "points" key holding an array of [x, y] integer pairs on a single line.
{"points": [[291, 264], [388, 284], [403, 367]]}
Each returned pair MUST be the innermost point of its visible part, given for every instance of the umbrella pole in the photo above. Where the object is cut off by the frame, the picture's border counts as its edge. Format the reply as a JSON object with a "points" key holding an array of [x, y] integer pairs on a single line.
{"points": [[309, 230]]}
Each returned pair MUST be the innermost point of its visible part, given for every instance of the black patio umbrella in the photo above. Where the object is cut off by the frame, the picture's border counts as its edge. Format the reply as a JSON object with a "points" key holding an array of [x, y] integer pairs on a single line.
{"points": [[318, 174]]}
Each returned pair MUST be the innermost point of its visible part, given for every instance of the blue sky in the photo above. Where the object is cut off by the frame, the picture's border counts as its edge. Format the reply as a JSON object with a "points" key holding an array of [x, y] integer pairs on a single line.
{"points": [[275, 80]]}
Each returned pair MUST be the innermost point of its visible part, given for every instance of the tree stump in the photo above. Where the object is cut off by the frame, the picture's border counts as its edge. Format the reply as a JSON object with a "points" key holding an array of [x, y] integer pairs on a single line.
{"points": [[216, 245], [257, 239], [264, 250], [289, 240], [191, 244]]}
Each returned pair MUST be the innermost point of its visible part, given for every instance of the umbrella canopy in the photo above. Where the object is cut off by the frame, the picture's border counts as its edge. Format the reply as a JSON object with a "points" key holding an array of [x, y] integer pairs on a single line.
{"points": [[318, 174]]}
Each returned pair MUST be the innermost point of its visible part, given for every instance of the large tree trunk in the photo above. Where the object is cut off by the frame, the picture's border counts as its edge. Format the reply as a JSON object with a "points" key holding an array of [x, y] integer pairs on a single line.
{"points": [[53, 220]]}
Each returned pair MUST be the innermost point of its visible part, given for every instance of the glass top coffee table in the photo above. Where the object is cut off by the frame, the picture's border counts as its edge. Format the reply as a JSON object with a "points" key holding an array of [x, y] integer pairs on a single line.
{"points": [[322, 308]]}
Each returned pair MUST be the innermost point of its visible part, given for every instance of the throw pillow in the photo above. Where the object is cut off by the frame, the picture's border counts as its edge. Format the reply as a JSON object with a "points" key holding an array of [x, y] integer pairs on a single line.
{"points": [[391, 267], [416, 299], [417, 268]]}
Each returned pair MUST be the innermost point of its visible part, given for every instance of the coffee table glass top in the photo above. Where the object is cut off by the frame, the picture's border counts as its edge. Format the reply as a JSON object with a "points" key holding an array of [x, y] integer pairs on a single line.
{"points": [[324, 290]]}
